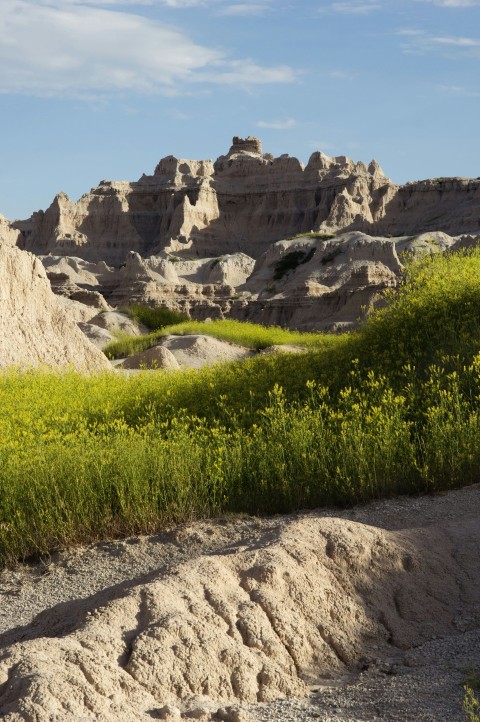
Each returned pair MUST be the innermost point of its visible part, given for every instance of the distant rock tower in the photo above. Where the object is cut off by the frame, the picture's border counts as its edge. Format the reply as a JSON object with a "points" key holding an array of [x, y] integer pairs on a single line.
{"points": [[248, 145]]}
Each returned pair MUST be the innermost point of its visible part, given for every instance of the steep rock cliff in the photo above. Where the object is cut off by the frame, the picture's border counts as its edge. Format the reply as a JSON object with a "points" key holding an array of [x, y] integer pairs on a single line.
{"points": [[242, 203]]}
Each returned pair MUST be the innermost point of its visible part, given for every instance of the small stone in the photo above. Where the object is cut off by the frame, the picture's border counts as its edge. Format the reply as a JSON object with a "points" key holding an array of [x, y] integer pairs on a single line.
{"points": [[169, 713], [200, 713], [233, 714]]}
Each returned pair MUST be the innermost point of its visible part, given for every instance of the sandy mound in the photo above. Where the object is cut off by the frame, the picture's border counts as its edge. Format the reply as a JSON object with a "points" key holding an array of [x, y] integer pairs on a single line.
{"points": [[153, 358], [306, 601], [198, 350], [34, 328], [116, 321]]}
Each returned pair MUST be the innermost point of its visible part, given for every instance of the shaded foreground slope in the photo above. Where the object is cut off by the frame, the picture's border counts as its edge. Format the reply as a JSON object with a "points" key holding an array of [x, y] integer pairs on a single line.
{"points": [[224, 613]]}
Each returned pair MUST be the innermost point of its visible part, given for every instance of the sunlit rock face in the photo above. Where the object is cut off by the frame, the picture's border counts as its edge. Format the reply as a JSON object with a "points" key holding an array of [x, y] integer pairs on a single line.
{"points": [[35, 328], [208, 238], [241, 203]]}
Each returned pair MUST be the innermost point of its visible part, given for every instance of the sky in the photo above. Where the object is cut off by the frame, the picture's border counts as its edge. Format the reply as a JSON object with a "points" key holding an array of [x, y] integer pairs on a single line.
{"points": [[102, 89]]}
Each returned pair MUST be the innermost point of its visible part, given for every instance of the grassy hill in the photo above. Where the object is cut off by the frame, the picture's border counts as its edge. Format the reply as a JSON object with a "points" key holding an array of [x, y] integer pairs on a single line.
{"points": [[392, 408]]}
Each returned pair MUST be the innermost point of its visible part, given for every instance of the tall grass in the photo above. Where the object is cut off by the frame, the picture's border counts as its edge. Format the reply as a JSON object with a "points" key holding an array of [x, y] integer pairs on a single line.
{"points": [[250, 335], [394, 408]]}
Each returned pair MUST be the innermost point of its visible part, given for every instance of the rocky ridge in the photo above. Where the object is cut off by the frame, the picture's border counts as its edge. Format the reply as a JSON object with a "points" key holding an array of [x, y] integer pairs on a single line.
{"points": [[312, 282], [243, 202], [250, 236]]}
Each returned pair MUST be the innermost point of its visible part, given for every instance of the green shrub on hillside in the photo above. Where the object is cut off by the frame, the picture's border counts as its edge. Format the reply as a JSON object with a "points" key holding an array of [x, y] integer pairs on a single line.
{"points": [[433, 318], [154, 318]]}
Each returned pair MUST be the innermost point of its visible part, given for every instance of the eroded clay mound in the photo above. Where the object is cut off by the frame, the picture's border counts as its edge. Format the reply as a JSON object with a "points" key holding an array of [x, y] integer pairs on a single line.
{"points": [[197, 350], [34, 328], [253, 623]]}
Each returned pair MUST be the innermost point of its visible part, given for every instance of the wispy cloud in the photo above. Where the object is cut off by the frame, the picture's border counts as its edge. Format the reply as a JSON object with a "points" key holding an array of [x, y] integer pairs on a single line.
{"points": [[352, 7], [455, 41], [454, 3], [337, 74], [277, 124], [223, 7], [458, 91], [58, 47], [244, 9], [418, 41]]}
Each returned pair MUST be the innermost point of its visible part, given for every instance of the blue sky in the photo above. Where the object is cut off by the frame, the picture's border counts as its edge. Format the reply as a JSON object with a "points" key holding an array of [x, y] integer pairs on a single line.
{"points": [[93, 89]]}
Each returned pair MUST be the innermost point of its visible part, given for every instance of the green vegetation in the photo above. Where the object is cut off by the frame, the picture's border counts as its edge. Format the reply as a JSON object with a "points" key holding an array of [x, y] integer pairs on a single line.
{"points": [[329, 257], [154, 318], [290, 261], [251, 335], [393, 408], [471, 703], [287, 263]]}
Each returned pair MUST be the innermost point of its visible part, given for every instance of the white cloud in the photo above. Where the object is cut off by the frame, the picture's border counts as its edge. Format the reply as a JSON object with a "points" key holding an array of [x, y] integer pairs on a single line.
{"points": [[418, 41], [456, 41], [454, 3], [458, 91], [222, 7], [341, 75], [64, 48], [247, 72], [352, 7], [277, 124], [238, 9]]}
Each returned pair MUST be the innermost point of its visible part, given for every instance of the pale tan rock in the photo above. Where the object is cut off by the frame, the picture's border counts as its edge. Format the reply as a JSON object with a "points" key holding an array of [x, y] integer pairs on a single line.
{"points": [[330, 286], [153, 358], [34, 328], [242, 203], [169, 713], [100, 337], [314, 284], [9, 235], [115, 321], [232, 270], [317, 597], [79, 312], [196, 350]]}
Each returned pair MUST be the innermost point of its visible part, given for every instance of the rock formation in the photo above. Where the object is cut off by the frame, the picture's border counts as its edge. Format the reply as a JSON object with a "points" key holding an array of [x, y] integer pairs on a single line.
{"points": [[312, 282], [242, 203], [208, 239], [34, 328], [305, 601], [8, 234]]}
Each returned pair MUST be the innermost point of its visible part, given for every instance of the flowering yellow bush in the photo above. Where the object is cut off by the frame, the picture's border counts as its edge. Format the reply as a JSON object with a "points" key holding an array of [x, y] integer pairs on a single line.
{"points": [[393, 408]]}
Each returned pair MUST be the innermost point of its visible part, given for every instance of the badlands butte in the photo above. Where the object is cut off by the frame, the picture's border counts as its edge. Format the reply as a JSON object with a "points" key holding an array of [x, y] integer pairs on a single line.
{"points": [[362, 614], [250, 237]]}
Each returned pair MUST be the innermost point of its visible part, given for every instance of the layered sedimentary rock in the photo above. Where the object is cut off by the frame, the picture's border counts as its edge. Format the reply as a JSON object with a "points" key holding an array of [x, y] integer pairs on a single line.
{"points": [[241, 203], [310, 282], [451, 205], [34, 328]]}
